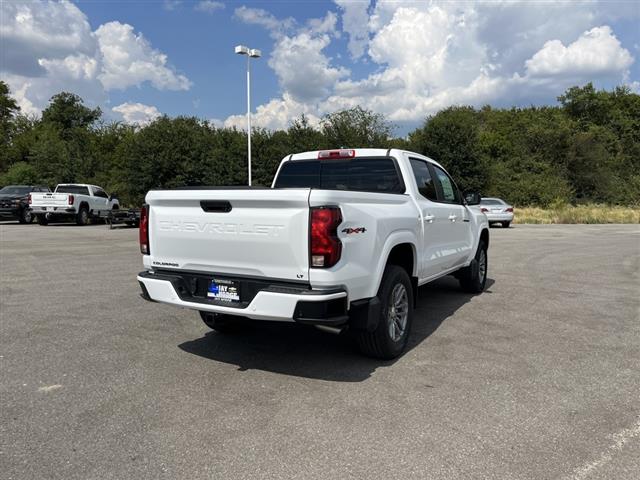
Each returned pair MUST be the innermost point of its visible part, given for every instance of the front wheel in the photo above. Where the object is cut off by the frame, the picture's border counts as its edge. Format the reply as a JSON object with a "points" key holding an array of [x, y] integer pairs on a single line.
{"points": [[474, 277], [390, 337], [25, 216]]}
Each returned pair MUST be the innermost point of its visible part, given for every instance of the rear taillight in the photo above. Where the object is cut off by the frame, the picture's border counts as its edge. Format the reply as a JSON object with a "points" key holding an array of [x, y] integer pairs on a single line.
{"points": [[484, 210], [144, 230], [71, 199], [325, 246], [510, 209], [29, 199]]}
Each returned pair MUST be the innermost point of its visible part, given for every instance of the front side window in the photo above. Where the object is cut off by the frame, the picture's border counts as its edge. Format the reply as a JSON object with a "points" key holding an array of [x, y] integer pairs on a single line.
{"points": [[98, 192], [426, 186], [448, 189]]}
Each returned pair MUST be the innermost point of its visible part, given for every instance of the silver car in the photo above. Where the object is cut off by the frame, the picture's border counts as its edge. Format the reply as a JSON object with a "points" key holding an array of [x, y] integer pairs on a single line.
{"points": [[497, 211]]}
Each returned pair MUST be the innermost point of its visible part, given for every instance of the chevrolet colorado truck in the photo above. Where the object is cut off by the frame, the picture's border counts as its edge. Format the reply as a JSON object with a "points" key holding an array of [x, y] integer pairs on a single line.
{"points": [[72, 201], [342, 239]]}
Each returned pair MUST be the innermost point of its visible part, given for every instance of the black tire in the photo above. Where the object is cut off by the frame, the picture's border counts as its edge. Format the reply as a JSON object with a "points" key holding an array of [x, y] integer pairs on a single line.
{"points": [[506, 224], [25, 216], [42, 220], [222, 323], [82, 217], [473, 278], [380, 343]]}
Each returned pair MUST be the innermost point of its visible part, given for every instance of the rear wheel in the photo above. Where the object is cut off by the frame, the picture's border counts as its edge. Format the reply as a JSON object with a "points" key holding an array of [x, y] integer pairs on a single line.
{"points": [[42, 220], [506, 224], [474, 277], [222, 323], [25, 216], [390, 337], [82, 217]]}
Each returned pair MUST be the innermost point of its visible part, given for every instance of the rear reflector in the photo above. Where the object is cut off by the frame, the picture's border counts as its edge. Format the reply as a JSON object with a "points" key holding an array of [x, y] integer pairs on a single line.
{"points": [[71, 199], [330, 154], [144, 230], [324, 245]]}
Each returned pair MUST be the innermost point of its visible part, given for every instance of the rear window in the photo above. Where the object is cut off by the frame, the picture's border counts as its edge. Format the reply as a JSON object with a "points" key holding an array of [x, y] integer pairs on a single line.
{"points": [[491, 201], [358, 174], [77, 189]]}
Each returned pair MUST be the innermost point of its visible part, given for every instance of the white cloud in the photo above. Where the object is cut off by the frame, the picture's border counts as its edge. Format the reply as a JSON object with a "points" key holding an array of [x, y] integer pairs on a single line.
{"points": [[430, 55], [171, 5], [137, 113], [49, 47], [302, 68], [208, 6], [355, 20], [276, 114], [596, 52], [30, 32], [259, 16], [128, 59]]}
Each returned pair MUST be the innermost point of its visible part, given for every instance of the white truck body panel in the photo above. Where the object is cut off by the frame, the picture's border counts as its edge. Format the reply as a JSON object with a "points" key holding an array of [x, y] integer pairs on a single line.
{"points": [[264, 235]]}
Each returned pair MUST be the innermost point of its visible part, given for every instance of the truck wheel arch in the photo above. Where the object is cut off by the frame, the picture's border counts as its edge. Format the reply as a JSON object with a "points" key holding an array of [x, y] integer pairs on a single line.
{"points": [[399, 250], [484, 237]]}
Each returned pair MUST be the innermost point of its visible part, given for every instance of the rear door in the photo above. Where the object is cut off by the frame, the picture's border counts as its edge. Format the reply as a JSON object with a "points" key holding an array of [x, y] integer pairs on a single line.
{"points": [[247, 232], [454, 217]]}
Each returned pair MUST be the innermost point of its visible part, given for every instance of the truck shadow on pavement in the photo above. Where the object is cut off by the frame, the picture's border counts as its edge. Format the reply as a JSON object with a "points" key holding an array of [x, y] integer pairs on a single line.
{"points": [[305, 351]]}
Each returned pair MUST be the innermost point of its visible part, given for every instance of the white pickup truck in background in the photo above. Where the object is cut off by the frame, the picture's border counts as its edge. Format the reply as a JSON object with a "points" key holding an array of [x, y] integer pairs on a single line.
{"points": [[72, 201], [343, 239]]}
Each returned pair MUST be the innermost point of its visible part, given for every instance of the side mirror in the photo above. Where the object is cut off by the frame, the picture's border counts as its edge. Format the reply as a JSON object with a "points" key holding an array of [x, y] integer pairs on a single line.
{"points": [[472, 198]]}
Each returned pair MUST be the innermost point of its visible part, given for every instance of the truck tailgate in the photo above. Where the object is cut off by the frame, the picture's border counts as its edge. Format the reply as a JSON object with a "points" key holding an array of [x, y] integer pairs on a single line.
{"points": [[261, 233], [49, 199]]}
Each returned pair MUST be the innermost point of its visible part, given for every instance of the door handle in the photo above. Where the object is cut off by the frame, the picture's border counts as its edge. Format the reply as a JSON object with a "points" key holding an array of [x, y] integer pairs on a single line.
{"points": [[453, 217], [429, 218]]}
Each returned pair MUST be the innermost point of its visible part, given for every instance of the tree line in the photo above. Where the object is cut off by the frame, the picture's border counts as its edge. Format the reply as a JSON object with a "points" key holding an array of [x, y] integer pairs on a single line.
{"points": [[584, 150]]}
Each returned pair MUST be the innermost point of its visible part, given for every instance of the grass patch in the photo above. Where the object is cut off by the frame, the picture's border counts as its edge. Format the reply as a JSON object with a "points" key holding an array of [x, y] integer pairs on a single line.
{"points": [[577, 214]]}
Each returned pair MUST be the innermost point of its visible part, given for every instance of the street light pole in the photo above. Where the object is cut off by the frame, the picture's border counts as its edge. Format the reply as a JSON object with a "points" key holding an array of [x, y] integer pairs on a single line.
{"points": [[250, 53]]}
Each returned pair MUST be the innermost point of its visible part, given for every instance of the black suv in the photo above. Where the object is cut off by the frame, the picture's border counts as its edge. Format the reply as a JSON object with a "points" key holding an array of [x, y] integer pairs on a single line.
{"points": [[14, 202]]}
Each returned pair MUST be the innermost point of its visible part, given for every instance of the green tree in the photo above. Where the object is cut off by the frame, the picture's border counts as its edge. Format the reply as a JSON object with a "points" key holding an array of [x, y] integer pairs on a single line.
{"points": [[356, 128], [67, 111], [8, 109], [451, 138], [20, 173]]}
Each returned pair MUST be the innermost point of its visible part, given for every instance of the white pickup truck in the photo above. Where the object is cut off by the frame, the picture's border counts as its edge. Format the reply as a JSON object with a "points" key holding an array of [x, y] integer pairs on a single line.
{"points": [[343, 239], [75, 201]]}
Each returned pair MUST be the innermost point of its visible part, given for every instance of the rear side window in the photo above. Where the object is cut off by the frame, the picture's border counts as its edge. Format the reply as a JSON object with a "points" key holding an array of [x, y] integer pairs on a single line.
{"points": [[358, 174], [77, 189], [426, 186]]}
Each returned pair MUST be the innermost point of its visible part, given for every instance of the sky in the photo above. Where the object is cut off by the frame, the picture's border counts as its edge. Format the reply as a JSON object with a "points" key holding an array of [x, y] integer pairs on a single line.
{"points": [[405, 59]]}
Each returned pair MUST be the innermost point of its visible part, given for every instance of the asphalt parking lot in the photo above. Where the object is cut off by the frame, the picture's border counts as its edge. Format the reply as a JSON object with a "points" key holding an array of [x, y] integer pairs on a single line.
{"points": [[539, 377]]}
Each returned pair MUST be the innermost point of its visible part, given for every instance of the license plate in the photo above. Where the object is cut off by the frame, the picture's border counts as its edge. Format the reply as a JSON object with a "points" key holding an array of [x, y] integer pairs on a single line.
{"points": [[224, 290]]}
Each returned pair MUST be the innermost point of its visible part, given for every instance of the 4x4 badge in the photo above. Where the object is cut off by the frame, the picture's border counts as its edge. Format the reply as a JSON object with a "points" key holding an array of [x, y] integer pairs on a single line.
{"points": [[349, 231]]}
